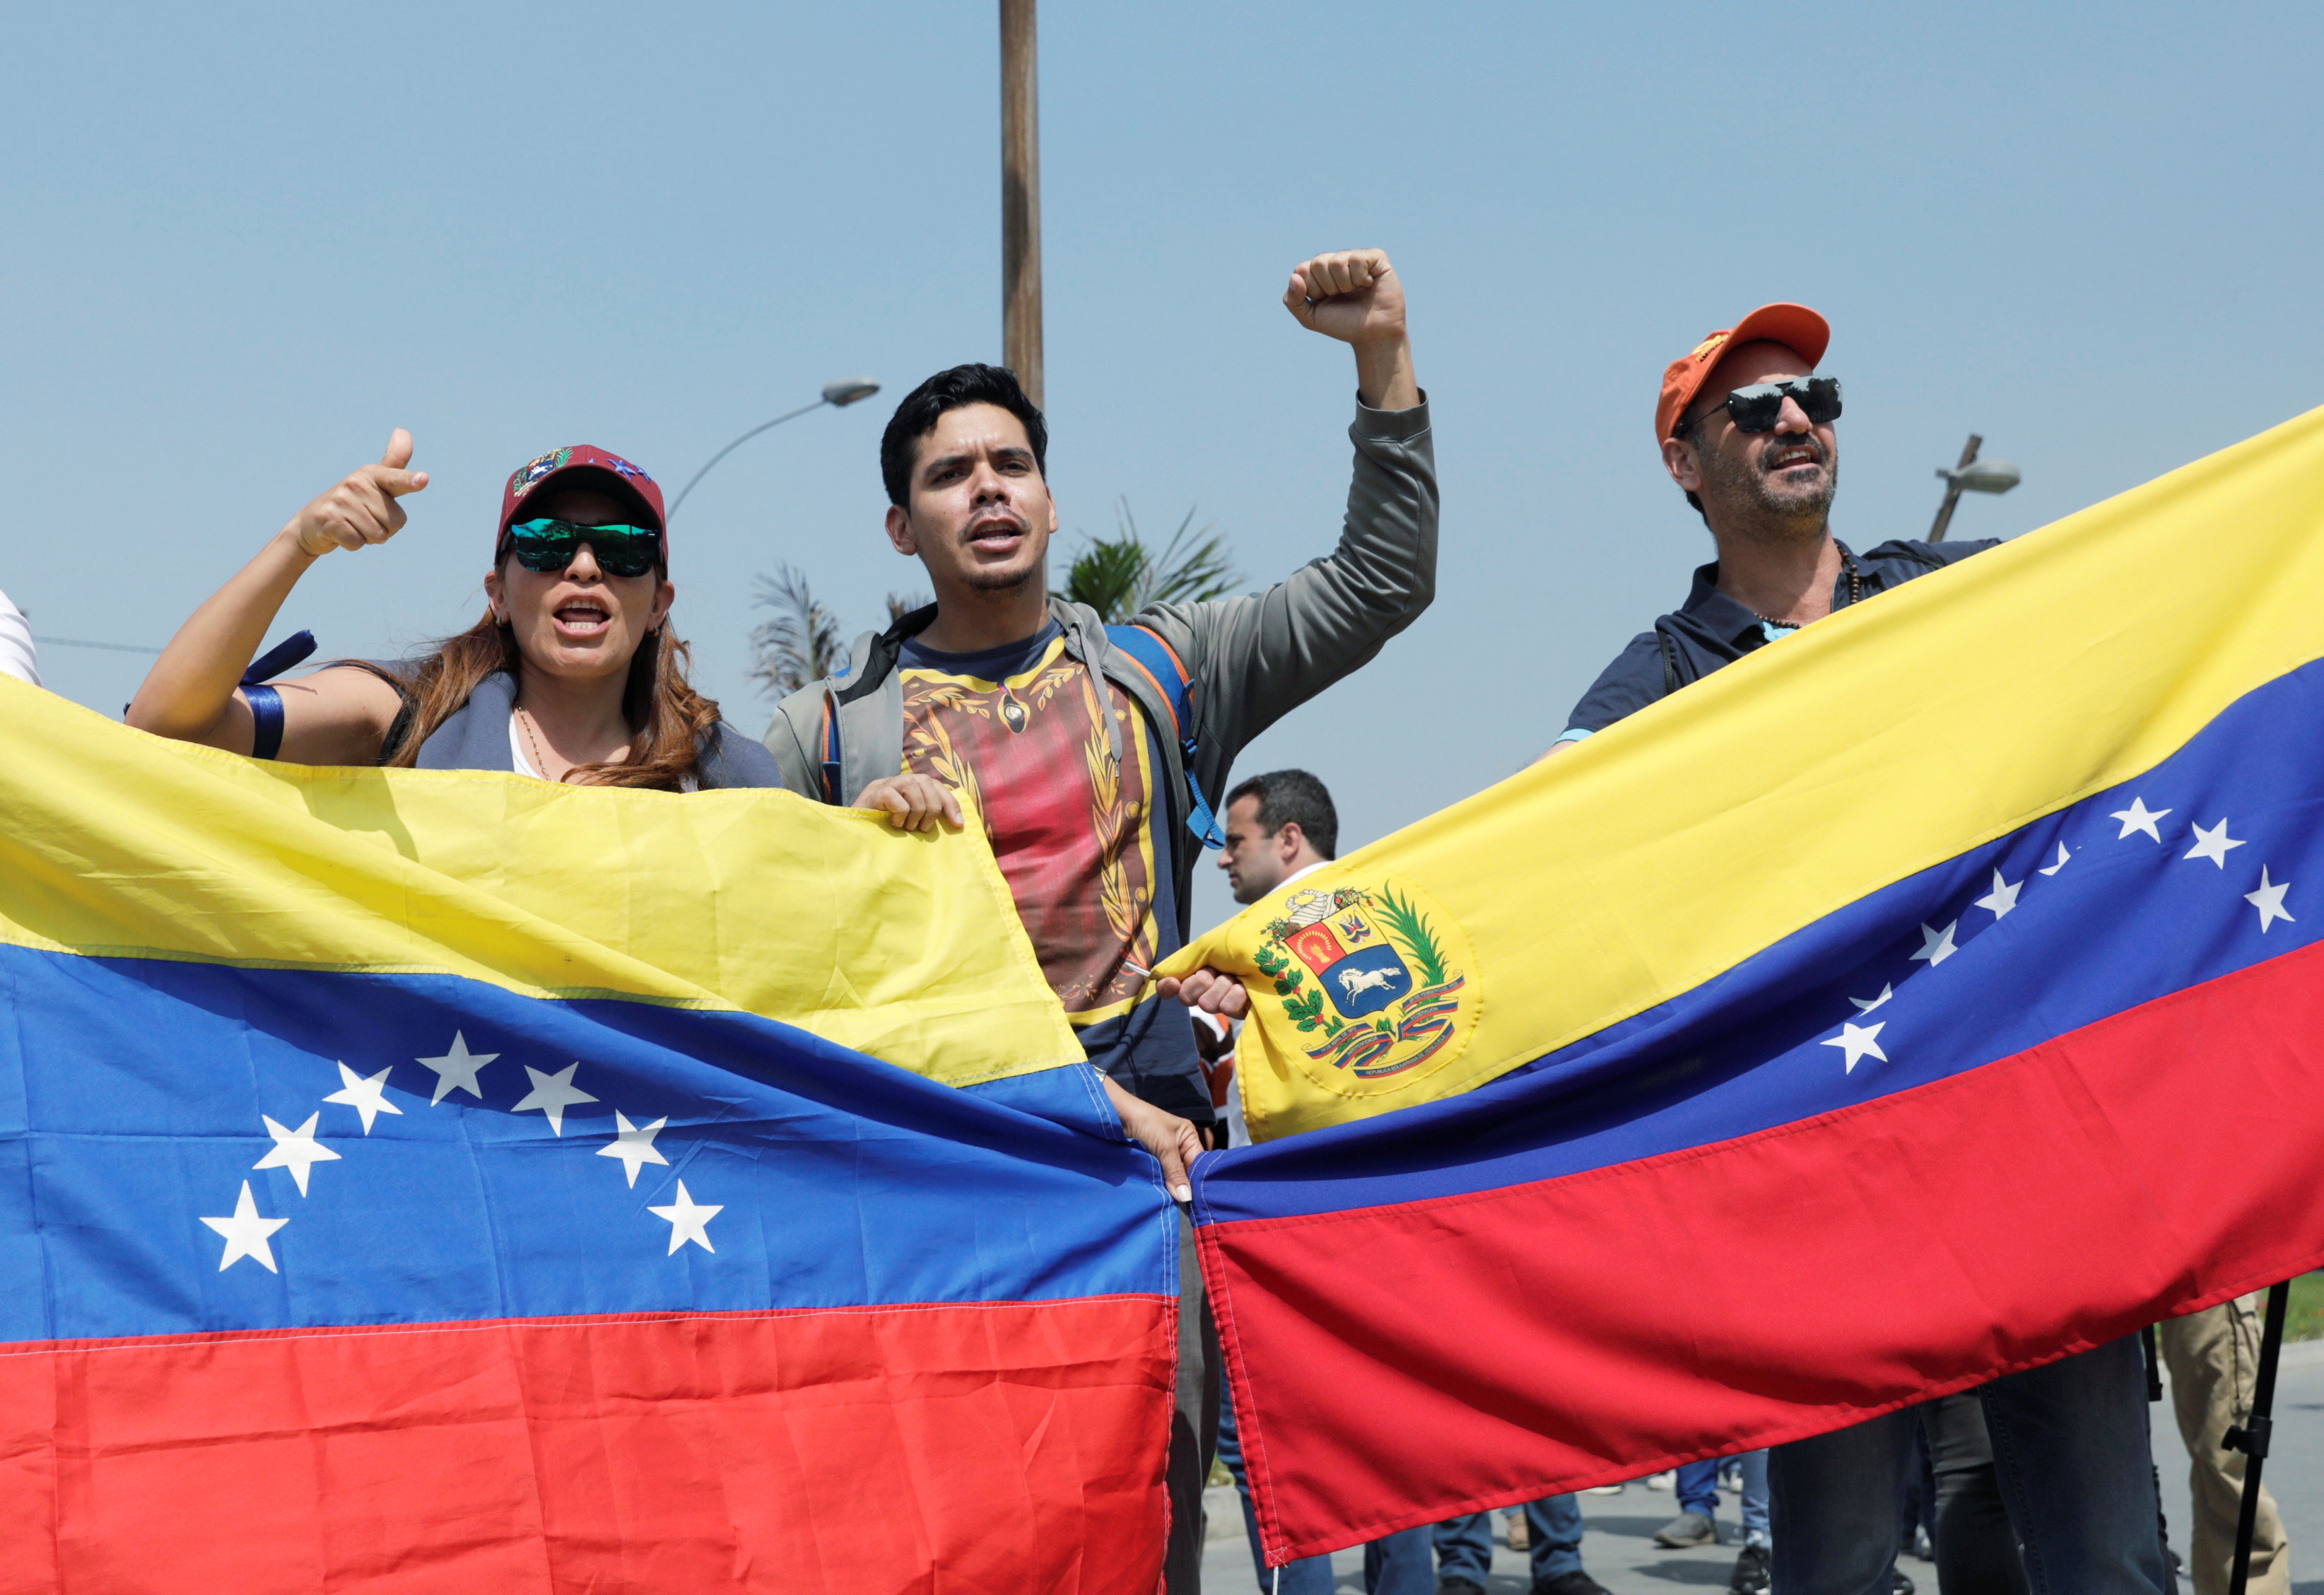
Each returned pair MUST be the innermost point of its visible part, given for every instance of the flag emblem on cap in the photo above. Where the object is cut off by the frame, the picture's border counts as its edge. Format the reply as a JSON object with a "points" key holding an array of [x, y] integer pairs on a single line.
{"points": [[528, 475], [625, 468]]}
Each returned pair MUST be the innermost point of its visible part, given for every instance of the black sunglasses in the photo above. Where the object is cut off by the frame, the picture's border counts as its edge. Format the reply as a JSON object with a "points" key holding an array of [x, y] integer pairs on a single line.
{"points": [[550, 545], [1754, 409]]}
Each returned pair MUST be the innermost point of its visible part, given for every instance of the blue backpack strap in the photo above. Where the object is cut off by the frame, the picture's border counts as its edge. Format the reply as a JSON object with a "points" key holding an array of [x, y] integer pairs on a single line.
{"points": [[1156, 658]]}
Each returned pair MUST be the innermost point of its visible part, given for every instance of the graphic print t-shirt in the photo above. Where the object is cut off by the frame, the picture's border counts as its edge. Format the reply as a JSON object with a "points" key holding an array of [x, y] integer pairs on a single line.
{"points": [[1079, 834]]}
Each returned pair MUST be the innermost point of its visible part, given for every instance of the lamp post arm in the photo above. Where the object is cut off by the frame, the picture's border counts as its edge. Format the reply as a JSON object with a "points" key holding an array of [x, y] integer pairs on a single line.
{"points": [[1953, 489], [737, 443]]}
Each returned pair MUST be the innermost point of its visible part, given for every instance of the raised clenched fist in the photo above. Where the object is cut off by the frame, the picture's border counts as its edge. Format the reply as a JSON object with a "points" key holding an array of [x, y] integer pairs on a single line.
{"points": [[1349, 294]]}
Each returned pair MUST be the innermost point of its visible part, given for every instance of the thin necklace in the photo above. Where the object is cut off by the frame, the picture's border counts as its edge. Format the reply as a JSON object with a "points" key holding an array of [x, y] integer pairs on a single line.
{"points": [[539, 761]]}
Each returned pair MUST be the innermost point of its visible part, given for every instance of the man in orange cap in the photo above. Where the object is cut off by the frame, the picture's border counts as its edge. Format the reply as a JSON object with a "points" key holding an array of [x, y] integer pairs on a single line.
{"points": [[1745, 427]]}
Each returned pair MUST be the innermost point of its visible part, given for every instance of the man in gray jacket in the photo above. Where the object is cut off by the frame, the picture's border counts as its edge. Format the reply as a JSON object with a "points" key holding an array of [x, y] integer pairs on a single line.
{"points": [[1089, 749]]}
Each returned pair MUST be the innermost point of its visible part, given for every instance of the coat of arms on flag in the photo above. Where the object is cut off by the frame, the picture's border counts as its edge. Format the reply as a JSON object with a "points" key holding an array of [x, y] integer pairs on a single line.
{"points": [[1376, 981]]}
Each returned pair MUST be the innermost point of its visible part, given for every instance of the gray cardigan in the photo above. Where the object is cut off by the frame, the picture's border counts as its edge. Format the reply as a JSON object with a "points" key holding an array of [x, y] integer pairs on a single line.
{"points": [[475, 737], [1251, 659]]}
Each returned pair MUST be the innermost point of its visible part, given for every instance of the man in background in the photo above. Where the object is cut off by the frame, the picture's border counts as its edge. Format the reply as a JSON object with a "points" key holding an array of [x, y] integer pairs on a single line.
{"points": [[2213, 1357], [1279, 828]]}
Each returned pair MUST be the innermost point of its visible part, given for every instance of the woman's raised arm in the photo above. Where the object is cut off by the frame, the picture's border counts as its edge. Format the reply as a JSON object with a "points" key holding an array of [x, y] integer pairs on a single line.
{"points": [[332, 717]]}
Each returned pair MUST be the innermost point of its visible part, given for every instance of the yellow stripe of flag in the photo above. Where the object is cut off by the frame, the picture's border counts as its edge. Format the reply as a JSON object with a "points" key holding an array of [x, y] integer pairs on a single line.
{"points": [[903, 946]]}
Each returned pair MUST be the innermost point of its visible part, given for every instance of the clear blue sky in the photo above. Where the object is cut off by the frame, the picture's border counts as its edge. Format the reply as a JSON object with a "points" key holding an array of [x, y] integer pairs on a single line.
{"points": [[244, 242]]}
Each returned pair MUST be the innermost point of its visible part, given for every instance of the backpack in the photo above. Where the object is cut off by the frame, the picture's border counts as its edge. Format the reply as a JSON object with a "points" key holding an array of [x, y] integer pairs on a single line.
{"points": [[1158, 662]]}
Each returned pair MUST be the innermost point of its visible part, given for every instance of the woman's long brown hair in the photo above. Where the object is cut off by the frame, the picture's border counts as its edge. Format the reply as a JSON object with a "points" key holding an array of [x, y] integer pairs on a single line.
{"points": [[669, 722]]}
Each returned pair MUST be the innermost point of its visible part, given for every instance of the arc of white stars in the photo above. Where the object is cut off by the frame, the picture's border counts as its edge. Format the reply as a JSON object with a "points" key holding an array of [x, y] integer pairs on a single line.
{"points": [[1860, 1041], [634, 1145], [1865, 1005], [296, 1150], [552, 1094], [367, 1095], [246, 1233], [1936, 946], [688, 1221], [2002, 898], [2212, 844], [2060, 863], [2138, 817], [457, 1069], [2269, 900]]}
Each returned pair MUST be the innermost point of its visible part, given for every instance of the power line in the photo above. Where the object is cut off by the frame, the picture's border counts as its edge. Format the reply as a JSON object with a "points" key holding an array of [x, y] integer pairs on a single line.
{"points": [[80, 642]]}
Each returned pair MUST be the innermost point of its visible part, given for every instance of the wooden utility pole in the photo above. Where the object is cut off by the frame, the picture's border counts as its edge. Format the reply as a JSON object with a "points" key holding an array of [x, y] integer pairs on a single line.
{"points": [[1020, 196]]}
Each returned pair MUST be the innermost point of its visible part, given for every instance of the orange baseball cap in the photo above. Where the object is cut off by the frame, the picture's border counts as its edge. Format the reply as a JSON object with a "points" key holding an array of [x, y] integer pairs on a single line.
{"points": [[1794, 326]]}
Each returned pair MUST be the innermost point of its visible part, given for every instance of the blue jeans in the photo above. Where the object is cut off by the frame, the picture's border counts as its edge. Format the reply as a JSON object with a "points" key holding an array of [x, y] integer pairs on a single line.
{"points": [[1464, 1545], [1397, 1566], [2069, 1449], [1698, 1491]]}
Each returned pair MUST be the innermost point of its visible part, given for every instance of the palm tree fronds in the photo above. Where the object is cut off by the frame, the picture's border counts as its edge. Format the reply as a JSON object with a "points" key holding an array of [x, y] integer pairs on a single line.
{"points": [[1118, 576], [801, 643]]}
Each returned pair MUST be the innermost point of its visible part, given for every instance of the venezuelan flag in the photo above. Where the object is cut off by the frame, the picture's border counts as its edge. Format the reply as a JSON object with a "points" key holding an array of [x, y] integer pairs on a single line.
{"points": [[430, 1181], [1932, 995]]}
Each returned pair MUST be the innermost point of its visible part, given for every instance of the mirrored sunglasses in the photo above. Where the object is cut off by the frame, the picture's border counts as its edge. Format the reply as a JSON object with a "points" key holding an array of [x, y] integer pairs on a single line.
{"points": [[1754, 409], [550, 545]]}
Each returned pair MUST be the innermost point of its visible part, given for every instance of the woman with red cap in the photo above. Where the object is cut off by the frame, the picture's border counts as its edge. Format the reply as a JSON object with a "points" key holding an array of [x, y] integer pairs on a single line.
{"points": [[572, 673]]}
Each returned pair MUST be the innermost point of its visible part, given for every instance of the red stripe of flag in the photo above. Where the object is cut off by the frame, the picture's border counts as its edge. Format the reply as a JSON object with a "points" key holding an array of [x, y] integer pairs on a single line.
{"points": [[1445, 1356], [1005, 1446]]}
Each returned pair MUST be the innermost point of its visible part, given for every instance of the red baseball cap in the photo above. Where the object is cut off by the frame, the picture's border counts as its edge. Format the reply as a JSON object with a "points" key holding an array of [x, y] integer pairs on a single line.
{"points": [[585, 464], [1794, 326]]}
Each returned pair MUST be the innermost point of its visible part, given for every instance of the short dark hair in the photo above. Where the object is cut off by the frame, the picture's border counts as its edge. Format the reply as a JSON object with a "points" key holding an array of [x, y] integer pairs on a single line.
{"points": [[925, 405], [1294, 797], [1679, 434]]}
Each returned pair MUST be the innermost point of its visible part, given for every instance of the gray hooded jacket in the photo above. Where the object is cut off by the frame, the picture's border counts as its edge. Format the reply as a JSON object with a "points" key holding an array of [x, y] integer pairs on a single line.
{"points": [[1250, 660]]}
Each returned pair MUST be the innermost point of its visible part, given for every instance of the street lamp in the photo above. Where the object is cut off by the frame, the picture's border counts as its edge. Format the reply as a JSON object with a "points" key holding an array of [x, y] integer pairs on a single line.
{"points": [[837, 394], [1973, 474]]}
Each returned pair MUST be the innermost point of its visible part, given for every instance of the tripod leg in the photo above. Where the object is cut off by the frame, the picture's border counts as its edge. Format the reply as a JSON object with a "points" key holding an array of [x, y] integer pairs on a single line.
{"points": [[2251, 1438]]}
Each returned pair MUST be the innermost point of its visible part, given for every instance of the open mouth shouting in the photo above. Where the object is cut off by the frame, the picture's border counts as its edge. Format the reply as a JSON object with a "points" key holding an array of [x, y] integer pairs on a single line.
{"points": [[583, 618], [996, 534]]}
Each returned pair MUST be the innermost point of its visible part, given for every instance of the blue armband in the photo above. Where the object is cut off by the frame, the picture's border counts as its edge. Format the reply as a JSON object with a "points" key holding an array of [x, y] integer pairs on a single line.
{"points": [[266, 721]]}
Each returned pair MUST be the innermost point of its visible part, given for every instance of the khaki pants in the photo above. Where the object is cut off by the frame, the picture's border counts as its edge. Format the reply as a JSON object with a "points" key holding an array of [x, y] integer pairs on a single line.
{"points": [[2213, 1357]]}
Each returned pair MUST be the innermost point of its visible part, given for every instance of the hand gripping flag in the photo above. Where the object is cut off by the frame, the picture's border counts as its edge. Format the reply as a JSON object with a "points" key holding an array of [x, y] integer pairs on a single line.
{"points": [[1928, 996], [427, 1182]]}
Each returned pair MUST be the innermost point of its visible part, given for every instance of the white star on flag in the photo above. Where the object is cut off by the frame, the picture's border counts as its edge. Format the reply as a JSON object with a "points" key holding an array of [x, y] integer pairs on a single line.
{"points": [[2269, 900], [552, 1094], [2002, 898], [2060, 863], [296, 1150], [688, 1221], [245, 1234], [2138, 817], [2212, 844], [1936, 946], [1860, 1041], [457, 1068], [1865, 1005], [367, 1097], [635, 1146]]}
